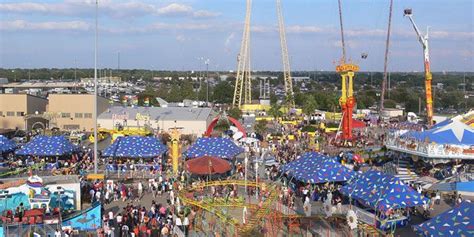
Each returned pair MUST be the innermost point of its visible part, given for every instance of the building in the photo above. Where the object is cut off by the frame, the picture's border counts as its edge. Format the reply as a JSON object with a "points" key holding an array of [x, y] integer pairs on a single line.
{"points": [[13, 87], [392, 113], [90, 80], [192, 120], [18, 111], [74, 111]]}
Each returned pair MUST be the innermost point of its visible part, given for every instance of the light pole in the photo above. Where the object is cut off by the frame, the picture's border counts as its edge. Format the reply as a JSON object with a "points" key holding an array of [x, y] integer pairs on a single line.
{"points": [[75, 69], [207, 81], [95, 86]]}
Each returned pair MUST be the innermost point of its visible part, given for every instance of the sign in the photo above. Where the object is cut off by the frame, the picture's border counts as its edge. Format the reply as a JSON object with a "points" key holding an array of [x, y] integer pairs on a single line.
{"points": [[123, 116], [143, 117], [52, 115], [347, 67], [88, 220], [95, 176]]}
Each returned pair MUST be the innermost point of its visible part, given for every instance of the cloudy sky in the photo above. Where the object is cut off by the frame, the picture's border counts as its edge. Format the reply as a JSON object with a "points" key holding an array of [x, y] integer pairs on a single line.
{"points": [[173, 35]]}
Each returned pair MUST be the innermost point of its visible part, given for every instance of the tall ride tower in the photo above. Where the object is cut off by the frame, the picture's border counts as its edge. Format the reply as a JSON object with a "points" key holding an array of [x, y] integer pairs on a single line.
{"points": [[243, 84], [290, 100], [347, 99]]}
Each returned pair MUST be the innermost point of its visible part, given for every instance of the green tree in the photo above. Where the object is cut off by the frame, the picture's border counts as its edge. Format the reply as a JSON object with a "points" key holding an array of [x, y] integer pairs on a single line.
{"points": [[309, 105], [175, 94], [235, 113], [261, 127], [275, 111], [389, 104], [222, 92], [273, 99], [300, 99]]}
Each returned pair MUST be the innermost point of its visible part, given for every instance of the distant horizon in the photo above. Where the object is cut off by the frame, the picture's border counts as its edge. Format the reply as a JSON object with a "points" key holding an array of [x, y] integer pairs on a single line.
{"points": [[226, 71], [181, 35]]}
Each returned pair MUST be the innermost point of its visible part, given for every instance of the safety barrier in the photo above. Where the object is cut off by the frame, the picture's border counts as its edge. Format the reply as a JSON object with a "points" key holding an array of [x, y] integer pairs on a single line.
{"points": [[429, 149]]}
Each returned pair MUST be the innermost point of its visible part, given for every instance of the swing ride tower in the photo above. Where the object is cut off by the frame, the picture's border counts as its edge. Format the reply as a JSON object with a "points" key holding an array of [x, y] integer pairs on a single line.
{"points": [[243, 83]]}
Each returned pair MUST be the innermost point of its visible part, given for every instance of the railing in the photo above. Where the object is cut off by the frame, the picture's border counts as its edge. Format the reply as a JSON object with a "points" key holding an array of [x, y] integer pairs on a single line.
{"points": [[364, 216], [429, 149]]}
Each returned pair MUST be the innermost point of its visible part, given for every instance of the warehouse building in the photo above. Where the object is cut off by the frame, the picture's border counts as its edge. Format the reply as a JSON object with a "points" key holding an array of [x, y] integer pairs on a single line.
{"points": [[193, 121]]}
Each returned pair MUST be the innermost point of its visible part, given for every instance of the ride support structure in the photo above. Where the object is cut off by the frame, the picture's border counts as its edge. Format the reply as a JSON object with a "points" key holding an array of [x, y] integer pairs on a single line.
{"points": [[423, 39], [347, 99], [175, 135]]}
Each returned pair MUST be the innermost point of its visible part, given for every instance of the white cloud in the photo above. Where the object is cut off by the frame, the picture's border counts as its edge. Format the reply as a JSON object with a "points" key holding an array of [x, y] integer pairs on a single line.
{"points": [[159, 26], [180, 38], [304, 29], [48, 25], [205, 14], [131, 8], [175, 9]]}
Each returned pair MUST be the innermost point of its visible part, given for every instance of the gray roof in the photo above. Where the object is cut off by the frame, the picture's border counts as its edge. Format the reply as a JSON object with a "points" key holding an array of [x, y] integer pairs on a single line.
{"points": [[159, 113]]}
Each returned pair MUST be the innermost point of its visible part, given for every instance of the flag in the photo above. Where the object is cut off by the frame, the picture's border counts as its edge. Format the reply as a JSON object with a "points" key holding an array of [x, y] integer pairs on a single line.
{"points": [[146, 102]]}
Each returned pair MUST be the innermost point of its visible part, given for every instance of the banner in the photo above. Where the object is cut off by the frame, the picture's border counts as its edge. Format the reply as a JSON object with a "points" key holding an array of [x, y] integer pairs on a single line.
{"points": [[87, 220]]}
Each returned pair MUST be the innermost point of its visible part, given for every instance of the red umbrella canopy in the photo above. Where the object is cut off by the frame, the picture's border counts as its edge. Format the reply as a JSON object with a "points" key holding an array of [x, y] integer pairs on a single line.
{"points": [[206, 165]]}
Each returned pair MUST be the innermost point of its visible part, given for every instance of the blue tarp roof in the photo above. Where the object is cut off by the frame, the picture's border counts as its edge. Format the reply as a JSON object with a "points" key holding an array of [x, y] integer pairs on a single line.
{"points": [[6, 145], [214, 146], [135, 147], [382, 191], [47, 146], [447, 132], [315, 168], [458, 221]]}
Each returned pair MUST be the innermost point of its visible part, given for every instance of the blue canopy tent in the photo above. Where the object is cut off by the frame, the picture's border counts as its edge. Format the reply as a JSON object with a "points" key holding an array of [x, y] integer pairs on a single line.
{"points": [[382, 191], [6, 145], [214, 146], [47, 146], [458, 221], [316, 168], [135, 147], [452, 132]]}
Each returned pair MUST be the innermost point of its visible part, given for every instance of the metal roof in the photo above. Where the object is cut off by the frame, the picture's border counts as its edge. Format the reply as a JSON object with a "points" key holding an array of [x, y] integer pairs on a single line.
{"points": [[159, 113]]}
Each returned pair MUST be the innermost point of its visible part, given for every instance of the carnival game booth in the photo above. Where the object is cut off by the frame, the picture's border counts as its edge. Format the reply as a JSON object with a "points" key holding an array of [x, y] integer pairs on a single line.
{"points": [[382, 200], [149, 150], [450, 139], [458, 221], [50, 148]]}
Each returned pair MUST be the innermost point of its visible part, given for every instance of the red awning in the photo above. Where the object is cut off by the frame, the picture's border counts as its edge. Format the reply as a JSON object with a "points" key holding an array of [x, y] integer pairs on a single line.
{"points": [[357, 124], [207, 165]]}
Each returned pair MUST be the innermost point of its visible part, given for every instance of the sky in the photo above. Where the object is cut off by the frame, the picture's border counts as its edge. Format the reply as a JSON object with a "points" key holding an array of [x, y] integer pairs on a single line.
{"points": [[178, 35]]}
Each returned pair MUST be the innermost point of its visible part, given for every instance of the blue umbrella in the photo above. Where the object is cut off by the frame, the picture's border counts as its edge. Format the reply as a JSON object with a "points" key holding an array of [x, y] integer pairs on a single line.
{"points": [[382, 191], [317, 168], [6, 145], [214, 146], [458, 221], [47, 146], [135, 147]]}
